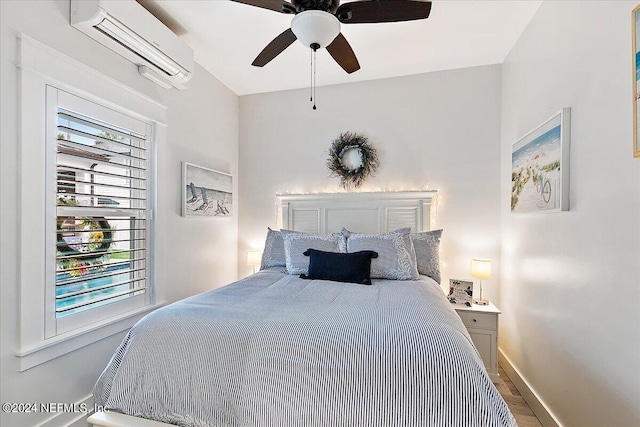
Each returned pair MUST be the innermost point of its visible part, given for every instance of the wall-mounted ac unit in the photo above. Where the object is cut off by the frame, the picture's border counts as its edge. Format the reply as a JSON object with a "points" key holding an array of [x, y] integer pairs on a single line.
{"points": [[130, 30]]}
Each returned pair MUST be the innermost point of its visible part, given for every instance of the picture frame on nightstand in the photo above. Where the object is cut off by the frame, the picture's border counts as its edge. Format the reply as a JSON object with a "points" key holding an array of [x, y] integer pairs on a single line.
{"points": [[460, 292]]}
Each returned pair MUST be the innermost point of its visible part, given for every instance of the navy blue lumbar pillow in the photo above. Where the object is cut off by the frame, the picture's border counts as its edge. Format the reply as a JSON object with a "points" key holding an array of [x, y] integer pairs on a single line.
{"points": [[353, 267]]}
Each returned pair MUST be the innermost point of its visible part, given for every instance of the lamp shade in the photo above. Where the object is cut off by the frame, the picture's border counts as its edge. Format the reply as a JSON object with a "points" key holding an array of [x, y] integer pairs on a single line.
{"points": [[254, 258], [481, 268], [315, 26]]}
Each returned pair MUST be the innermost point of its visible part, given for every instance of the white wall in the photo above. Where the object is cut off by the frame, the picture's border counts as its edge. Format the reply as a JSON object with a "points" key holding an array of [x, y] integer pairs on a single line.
{"points": [[570, 280], [432, 131], [202, 128]]}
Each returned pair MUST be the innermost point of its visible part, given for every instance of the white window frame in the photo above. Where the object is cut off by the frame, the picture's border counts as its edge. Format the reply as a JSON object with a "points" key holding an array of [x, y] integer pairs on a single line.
{"points": [[57, 98], [41, 67]]}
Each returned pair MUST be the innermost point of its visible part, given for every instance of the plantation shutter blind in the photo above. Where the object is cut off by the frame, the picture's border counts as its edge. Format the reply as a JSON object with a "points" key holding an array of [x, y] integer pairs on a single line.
{"points": [[101, 213]]}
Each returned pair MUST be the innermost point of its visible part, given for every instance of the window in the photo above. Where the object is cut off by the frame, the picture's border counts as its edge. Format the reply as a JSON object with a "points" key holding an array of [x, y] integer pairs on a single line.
{"points": [[98, 241], [86, 166]]}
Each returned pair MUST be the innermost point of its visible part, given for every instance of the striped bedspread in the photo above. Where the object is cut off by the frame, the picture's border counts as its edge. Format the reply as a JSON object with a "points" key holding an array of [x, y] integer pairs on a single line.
{"points": [[276, 350]]}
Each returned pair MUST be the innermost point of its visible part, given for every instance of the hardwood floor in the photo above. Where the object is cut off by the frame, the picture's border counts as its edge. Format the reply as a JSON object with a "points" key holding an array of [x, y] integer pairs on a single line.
{"points": [[519, 408]]}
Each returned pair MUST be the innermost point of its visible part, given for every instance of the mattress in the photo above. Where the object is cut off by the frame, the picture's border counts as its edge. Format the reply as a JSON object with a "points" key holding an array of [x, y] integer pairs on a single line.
{"points": [[277, 350]]}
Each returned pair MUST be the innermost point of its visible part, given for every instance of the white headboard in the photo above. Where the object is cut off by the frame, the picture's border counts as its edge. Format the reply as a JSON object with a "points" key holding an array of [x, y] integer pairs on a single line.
{"points": [[360, 212]]}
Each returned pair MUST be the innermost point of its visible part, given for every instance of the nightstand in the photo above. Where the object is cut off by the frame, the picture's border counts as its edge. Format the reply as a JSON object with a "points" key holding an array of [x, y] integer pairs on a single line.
{"points": [[481, 322]]}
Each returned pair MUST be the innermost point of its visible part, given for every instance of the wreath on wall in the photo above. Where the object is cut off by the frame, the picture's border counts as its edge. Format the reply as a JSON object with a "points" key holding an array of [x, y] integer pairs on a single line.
{"points": [[87, 236], [353, 159]]}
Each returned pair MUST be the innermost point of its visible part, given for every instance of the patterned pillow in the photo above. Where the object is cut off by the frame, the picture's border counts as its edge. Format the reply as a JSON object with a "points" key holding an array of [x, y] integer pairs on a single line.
{"points": [[427, 247], [273, 254], [396, 256], [296, 243]]}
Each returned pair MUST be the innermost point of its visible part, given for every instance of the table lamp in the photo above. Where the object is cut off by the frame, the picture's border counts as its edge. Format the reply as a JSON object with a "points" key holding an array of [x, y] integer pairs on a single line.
{"points": [[481, 269], [254, 259]]}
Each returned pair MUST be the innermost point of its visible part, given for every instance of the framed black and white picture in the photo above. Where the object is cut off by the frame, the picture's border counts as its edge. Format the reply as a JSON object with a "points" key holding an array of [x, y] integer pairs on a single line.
{"points": [[206, 192]]}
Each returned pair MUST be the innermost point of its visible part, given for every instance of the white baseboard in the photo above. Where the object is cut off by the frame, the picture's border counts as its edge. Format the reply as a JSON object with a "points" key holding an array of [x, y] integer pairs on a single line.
{"points": [[72, 419], [81, 422], [537, 405]]}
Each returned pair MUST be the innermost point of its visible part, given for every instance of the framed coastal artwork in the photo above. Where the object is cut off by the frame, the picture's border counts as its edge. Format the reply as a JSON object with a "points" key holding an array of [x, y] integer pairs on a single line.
{"points": [[206, 192], [540, 167], [636, 78]]}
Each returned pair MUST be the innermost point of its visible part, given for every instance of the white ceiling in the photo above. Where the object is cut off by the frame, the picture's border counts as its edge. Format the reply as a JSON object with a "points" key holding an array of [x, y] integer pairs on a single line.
{"points": [[227, 36]]}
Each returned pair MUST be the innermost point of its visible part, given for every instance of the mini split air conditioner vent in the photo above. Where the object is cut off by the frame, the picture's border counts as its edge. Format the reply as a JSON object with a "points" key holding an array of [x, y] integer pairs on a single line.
{"points": [[131, 31], [135, 52]]}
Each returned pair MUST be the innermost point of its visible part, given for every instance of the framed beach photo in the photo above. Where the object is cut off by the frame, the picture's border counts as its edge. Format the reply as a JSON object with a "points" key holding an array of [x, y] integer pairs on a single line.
{"points": [[636, 78], [540, 167], [206, 192]]}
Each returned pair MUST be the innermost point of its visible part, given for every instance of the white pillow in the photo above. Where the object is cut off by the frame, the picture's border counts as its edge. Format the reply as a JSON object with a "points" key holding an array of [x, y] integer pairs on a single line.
{"points": [[427, 247], [273, 254], [296, 243], [396, 256]]}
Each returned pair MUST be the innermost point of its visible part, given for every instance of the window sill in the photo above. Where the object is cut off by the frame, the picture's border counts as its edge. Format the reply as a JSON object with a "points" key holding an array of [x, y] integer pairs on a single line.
{"points": [[63, 344]]}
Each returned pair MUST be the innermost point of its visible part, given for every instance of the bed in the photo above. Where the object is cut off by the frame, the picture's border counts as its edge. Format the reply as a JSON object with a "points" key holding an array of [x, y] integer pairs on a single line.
{"points": [[275, 349]]}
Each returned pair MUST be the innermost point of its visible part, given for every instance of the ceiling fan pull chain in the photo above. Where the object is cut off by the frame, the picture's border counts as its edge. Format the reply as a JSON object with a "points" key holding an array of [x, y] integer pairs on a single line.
{"points": [[314, 47], [311, 77], [315, 62]]}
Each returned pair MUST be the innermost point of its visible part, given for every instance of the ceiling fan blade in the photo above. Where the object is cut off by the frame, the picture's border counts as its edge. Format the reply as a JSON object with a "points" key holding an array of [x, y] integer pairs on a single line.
{"points": [[341, 51], [277, 5], [371, 11], [275, 48]]}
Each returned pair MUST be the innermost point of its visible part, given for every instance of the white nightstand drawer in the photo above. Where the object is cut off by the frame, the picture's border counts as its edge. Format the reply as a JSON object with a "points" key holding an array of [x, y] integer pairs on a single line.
{"points": [[473, 319]]}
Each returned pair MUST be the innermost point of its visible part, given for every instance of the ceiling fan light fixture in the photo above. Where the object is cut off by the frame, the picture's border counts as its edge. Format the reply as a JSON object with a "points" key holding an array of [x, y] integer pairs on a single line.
{"points": [[315, 27]]}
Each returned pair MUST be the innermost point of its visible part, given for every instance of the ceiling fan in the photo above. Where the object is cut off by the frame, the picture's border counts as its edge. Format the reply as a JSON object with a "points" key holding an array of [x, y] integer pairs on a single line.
{"points": [[317, 24]]}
